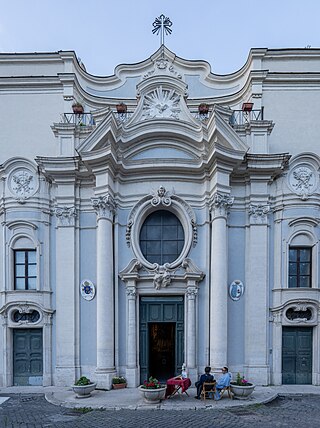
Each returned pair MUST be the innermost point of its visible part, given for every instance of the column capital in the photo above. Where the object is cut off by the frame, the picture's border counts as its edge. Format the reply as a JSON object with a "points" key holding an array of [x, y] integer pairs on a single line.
{"points": [[220, 203], [191, 292], [104, 206], [258, 213], [65, 215], [131, 292]]}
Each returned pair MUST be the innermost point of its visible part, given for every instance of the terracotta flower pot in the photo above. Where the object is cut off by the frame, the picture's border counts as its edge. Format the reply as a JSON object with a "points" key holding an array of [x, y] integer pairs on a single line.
{"points": [[77, 109], [119, 385], [247, 106], [121, 108], [203, 109]]}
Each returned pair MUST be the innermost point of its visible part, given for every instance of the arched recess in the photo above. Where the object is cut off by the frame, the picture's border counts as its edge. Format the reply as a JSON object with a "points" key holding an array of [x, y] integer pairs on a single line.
{"points": [[22, 236], [303, 236]]}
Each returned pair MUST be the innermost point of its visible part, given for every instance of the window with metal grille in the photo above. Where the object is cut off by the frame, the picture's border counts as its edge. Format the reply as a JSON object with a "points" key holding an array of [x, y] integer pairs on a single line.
{"points": [[300, 267], [161, 237], [25, 269]]}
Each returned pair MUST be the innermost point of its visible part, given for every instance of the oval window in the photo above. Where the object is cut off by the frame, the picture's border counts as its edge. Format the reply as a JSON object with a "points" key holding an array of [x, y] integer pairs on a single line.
{"points": [[161, 237]]}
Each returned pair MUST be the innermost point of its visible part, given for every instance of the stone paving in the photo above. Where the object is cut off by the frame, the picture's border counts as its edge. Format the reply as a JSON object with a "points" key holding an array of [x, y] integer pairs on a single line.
{"points": [[31, 410]]}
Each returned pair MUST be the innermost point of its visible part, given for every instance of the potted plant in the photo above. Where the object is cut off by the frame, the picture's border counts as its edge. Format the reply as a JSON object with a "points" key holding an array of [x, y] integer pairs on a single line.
{"points": [[121, 108], [152, 391], [77, 108], [83, 387], [241, 388], [247, 106], [119, 382], [203, 108]]}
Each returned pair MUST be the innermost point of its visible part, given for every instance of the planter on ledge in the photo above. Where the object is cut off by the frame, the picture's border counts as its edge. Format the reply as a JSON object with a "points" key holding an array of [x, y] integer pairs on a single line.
{"points": [[153, 396], [242, 392]]}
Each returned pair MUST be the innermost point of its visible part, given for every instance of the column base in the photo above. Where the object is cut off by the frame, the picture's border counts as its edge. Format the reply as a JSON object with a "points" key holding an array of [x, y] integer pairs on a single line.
{"points": [[103, 377], [132, 376]]}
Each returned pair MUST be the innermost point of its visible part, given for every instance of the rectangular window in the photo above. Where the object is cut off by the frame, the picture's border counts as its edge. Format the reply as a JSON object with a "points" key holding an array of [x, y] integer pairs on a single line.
{"points": [[300, 267], [25, 269]]}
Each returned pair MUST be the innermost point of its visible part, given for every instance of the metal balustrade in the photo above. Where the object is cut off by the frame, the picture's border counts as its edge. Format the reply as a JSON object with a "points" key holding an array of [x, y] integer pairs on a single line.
{"points": [[240, 117], [83, 119]]}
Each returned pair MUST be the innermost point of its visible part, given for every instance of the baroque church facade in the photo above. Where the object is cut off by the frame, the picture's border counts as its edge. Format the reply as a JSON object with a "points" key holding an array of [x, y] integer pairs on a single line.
{"points": [[173, 219]]}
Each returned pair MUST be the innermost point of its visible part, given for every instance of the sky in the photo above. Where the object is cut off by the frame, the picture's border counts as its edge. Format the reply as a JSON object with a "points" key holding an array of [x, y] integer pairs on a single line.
{"points": [[105, 33]]}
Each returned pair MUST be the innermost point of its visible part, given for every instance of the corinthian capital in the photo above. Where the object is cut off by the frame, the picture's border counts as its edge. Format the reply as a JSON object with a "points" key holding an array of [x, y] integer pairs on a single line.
{"points": [[104, 206], [220, 203], [65, 215]]}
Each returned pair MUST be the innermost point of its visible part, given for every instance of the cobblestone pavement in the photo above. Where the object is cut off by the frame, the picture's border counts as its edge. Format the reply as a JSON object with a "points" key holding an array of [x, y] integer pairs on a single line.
{"points": [[33, 411]]}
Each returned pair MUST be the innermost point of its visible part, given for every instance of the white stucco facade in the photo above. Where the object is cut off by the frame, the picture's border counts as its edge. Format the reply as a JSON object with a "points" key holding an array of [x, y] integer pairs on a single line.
{"points": [[240, 182]]}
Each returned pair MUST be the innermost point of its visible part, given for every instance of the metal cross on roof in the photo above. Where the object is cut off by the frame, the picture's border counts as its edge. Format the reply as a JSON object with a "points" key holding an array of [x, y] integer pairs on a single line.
{"points": [[162, 25]]}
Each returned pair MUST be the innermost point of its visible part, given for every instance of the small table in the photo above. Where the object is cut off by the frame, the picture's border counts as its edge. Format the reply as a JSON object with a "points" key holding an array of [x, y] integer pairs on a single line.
{"points": [[177, 385]]}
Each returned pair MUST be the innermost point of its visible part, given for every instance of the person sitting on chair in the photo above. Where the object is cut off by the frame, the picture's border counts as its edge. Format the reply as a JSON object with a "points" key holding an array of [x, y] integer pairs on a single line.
{"points": [[223, 382], [206, 377]]}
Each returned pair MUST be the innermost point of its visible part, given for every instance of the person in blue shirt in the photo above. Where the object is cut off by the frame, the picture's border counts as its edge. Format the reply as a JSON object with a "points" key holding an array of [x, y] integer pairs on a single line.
{"points": [[223, 381], [206, 377]]}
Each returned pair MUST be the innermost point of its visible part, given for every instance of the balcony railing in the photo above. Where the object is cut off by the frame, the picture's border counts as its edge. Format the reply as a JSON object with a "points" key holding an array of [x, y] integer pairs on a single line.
{"points": [[83, 119], [240, 117]]}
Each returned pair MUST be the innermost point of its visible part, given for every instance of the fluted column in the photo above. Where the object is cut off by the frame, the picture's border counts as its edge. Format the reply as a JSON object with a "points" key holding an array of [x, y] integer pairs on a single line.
{"points": [[219, 207], [132, 366], [105, 209]]}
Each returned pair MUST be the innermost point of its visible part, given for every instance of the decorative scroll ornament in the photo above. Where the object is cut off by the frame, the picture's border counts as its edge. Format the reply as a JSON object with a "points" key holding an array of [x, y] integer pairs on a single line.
{"points": [[22, 184], [297, 314], [236, 290], [87, 289], [65, 215], [302, 181], [161, 103], [161, 197], [220, 203], [162, 67], [25, 315], [104, 206]]}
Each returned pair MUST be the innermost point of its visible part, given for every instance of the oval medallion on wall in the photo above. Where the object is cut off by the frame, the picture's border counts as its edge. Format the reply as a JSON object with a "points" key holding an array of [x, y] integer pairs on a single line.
{"points": [[87, 289]]}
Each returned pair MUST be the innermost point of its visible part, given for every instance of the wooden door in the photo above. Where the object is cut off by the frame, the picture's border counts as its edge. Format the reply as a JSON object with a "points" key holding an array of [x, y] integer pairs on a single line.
{"points": [[161, 338], [297, 355], [27, 357]]}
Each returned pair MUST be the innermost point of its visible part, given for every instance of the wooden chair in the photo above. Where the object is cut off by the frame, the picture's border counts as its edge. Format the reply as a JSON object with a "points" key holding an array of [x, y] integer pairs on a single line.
{"points": [[228, 390], [208, 390]]}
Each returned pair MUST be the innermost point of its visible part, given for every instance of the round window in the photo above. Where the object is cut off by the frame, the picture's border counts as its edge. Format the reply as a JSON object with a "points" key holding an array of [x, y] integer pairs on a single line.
{"points": [[161, 237]]}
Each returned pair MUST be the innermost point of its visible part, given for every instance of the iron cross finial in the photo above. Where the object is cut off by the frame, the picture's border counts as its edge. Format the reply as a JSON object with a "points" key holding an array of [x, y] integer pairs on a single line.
{"points": [[162, 25]]}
